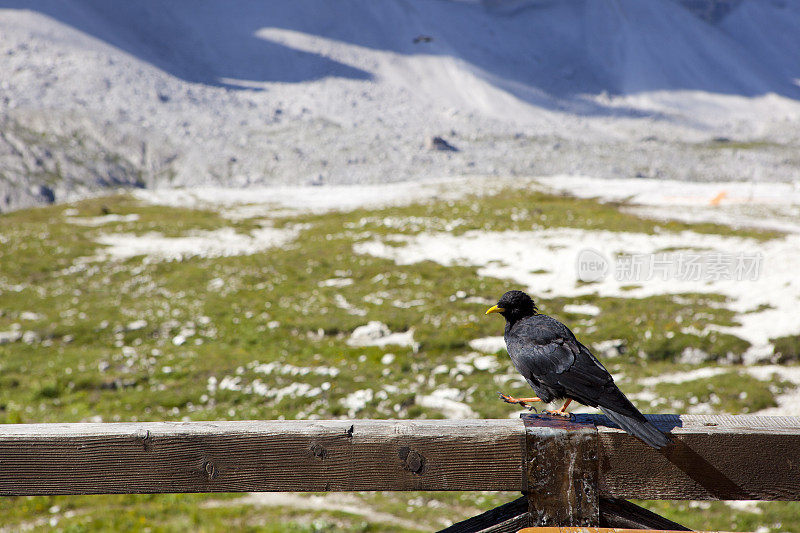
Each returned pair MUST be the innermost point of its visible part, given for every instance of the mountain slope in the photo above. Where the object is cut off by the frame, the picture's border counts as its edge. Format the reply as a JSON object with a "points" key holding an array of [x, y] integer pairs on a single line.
{"points": [[311, 91]]}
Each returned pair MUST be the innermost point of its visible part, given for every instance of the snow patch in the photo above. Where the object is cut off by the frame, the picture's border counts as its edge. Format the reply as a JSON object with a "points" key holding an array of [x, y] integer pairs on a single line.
{"points": [[356, 401], [486, 363], [747, 506], [136, 325], [755, 204], [515, 254], [488, 344], [336, 282], [265, 202], [582, 309], [332, 501], [287, 369], [223, 242], [446, 400], [342, 303], [609, 348], [99, 221], [377, 333], [788, 400], [683, 377]]}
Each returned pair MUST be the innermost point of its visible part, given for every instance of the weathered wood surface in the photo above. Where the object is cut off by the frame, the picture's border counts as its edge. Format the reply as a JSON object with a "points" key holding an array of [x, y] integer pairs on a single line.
{"points": [[333, 455], [599, 530], [513, 516], [743, 457], [715, 457], [562, 471], [615, 512], [507, 518]]}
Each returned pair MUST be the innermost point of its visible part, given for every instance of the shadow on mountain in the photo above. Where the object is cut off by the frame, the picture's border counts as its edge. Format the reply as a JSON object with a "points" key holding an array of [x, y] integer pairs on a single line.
{"points": [[552, 54], [212, 43]]}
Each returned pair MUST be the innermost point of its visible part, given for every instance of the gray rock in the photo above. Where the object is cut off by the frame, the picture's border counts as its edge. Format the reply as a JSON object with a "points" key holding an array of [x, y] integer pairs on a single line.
{"points": [[441, 145], [610, 348], [30, 337], [693, 356], [7, 337]]}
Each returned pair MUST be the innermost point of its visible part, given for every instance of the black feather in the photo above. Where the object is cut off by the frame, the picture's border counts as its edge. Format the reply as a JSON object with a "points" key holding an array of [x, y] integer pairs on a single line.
{"points": [[557, 366], [643, 429]]}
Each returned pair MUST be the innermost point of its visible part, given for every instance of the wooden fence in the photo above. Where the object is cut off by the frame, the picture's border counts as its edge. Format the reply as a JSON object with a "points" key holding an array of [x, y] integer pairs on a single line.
{"points": [[571, 473]]}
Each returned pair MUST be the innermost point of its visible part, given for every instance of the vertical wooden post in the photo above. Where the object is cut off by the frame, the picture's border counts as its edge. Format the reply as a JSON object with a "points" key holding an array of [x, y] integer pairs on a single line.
{"points": [[561, 472]]}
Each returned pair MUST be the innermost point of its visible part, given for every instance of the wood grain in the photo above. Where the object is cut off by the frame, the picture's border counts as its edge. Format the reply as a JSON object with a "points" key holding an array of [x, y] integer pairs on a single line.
{"points": [[562, 470], [334, 455], [507, 518], [716, 457], [618, 513], [744, 457]]}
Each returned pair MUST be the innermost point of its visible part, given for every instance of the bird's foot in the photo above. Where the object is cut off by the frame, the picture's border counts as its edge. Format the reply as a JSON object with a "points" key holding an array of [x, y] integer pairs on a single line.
{"points": [[559, 414], [521, 401]]}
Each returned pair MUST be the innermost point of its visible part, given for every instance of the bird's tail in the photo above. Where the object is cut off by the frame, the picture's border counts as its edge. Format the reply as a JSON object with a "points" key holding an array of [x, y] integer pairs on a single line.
{"points": [[639, 428]]}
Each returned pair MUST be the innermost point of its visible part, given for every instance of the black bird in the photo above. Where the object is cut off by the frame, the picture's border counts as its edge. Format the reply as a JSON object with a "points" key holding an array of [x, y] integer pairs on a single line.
{"points": [[558, 367]]}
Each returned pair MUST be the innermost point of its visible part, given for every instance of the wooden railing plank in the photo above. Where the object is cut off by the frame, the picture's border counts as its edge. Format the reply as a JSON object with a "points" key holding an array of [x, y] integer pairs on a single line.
{"points": [[743, 457], [715, 457], [334, 455]]}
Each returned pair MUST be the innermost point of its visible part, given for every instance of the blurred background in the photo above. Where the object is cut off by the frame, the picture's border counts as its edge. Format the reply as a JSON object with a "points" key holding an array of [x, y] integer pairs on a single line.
{"points": [[300, 209]]}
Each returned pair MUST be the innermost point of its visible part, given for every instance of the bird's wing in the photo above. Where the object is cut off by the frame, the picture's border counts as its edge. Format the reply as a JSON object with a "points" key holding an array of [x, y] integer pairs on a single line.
{"points": [[589, 383], [548, 355], [586, 379], [538, 349]]}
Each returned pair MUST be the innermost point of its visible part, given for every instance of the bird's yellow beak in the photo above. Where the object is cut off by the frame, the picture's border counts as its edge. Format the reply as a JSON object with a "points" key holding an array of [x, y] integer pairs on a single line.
{"points": [[494, 309]]}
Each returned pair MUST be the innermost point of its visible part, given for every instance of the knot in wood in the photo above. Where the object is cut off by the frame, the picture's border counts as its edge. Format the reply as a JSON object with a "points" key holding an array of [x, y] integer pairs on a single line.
{"points": [[318, 451], [412, 460], [210, 469], [142, 435]]}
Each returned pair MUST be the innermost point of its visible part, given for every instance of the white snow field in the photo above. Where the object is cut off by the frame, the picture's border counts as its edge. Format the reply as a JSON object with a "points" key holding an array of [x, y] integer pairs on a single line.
{"points": [[106, 93], [544, 260]]}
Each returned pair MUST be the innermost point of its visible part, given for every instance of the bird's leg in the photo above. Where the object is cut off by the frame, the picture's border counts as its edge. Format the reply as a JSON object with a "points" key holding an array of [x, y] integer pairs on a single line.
{"points": [[521, 401], [563, 411]]}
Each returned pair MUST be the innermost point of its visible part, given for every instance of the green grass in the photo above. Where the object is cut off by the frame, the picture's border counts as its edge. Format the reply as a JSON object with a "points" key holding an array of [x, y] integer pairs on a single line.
{"points": [[87, 361], [176, 512], [503, 211], [718, 516], [653, 328], [787, 348], [721, 144], [726, 393]]}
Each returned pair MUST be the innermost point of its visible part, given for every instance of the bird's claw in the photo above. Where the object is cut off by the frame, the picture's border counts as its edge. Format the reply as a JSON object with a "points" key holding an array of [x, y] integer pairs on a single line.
{"points": [[510, 399], [559, 414], [506, 398]]}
